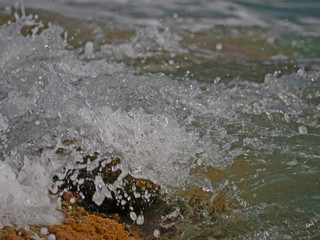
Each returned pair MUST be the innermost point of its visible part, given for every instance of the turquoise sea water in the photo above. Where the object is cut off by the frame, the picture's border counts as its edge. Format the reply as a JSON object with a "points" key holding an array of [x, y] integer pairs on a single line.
{"points": [[216, 101]]}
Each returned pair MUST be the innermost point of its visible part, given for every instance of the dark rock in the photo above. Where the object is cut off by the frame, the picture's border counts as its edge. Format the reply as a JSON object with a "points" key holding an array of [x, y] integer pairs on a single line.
{"points": [[133, 194]]}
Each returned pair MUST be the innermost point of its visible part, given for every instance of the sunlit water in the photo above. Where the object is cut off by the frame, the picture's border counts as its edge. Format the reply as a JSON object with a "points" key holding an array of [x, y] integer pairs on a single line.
{"points": [[217, 101]]}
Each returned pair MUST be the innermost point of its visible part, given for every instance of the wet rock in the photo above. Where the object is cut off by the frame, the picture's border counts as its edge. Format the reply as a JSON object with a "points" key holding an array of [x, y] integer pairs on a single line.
{"points": [[89, 227], [9, 233], [98, 183], [78, 224]]}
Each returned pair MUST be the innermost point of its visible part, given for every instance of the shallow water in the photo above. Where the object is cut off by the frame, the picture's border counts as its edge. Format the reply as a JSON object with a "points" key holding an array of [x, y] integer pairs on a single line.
{"points": [[216, 101]]}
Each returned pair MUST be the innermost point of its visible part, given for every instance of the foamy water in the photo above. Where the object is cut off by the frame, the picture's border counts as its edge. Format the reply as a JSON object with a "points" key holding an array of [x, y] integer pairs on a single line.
{"points": [[173, 88]]}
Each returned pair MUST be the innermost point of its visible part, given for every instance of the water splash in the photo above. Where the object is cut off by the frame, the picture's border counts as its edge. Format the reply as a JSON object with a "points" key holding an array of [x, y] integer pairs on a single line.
{"points": [[211, 134]]}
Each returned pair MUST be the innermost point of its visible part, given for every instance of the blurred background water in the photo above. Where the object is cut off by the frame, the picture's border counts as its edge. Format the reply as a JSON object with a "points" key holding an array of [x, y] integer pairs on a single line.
{"points": [[216, 101]]}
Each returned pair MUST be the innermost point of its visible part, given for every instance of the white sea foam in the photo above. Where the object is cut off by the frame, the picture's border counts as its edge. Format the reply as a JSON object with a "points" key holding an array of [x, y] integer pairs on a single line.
{"points": [[24, 200]]}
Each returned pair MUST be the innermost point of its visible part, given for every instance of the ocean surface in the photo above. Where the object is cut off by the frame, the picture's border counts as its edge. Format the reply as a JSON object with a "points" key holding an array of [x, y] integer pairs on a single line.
{"points": [[217, 101]]}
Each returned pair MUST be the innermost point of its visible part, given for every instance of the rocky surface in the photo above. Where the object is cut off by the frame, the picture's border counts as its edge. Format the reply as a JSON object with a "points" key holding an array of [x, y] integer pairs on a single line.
{"points": [[78, 224], [99, 184]]}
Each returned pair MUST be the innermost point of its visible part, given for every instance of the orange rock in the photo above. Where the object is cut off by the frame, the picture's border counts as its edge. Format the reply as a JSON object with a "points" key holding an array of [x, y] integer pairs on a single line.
{"points": [[10, 236], [78, 225], [89, 227], [9, 233]]}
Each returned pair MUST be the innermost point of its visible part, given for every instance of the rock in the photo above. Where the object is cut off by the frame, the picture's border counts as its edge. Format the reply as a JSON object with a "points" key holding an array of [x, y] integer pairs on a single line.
{"points": [[78, 225], [93, 180], [9, 233], [89, 227], [136, 200]]}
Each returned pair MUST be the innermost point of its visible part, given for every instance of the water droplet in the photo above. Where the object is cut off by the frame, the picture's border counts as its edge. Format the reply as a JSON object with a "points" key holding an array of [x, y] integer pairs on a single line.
{"points": [[44, 231], [140, 219], [286, 117], [52, 237], [133, 216], [156, 233], [217, 80], [303, 130], [301, 72], [219, 46], [88, 48]]}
